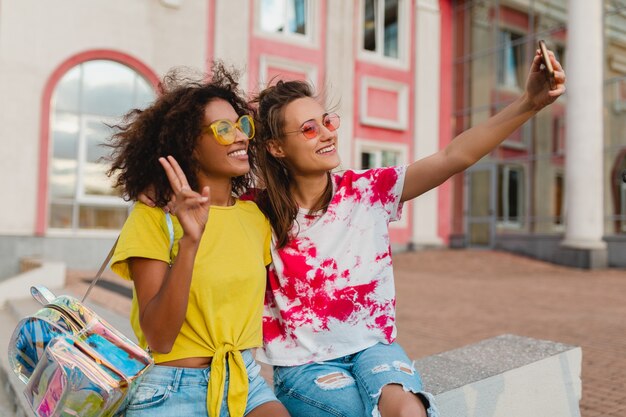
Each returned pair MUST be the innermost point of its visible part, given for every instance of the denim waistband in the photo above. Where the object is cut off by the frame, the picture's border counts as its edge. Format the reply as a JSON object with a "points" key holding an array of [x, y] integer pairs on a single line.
{"points": [[177, 376]]}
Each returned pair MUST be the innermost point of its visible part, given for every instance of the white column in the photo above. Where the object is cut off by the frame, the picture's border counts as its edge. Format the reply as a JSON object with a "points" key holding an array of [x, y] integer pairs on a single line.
{"points": [[585, 135], [340, 72], [427, 91]]}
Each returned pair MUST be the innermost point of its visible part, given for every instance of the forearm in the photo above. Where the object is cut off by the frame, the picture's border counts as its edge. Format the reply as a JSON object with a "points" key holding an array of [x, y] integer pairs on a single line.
{"points": [[163, 317], [471, 145]]}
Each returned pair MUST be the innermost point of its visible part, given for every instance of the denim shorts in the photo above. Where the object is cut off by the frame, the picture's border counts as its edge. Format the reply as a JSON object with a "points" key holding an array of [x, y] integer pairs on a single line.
{"points": [[167, 391], [349, 386]]}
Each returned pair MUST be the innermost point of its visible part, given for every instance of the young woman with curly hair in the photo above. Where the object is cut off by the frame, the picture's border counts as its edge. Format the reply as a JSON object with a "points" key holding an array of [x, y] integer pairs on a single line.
{"points": [[198, 294], [329, 324]]}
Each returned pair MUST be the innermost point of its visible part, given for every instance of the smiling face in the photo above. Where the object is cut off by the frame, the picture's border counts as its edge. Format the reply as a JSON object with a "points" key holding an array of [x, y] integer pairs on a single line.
{"points": [[306, 156], [221, 161]]}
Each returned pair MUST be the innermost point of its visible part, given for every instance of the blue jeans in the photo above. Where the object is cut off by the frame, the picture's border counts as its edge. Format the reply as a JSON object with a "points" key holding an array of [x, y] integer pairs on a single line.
{"points": [[349, 386], [167, 391]]}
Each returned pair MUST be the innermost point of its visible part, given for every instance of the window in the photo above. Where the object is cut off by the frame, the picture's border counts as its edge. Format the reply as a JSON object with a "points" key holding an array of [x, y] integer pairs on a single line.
{"points": [[622, 213], [559, 185], [511, 70], [510, 195], [559, 51], [376, 158], [290, 17], [381, 27], [558, 135], [619, 105], [89, 96]]}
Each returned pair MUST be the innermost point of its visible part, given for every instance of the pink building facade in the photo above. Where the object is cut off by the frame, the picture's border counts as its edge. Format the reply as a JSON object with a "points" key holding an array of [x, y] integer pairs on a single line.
{"points": [[384, 65], [363, 56], [406, 76]]}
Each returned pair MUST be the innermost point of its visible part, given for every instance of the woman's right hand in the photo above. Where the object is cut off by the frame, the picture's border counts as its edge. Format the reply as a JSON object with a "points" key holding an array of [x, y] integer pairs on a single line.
{"points": [[192, 208]]}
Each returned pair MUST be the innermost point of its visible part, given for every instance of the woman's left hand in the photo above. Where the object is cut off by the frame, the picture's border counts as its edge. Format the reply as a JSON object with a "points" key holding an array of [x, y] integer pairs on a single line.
{"points": [[538, 85]]}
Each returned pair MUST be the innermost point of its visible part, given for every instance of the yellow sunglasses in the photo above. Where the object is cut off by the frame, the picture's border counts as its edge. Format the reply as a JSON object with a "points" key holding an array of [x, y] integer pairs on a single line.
{"points": [[224, 130]]}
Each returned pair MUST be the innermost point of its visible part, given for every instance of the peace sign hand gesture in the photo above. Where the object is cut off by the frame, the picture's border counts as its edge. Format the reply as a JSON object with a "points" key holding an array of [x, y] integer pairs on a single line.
{"points": [[192, 208]]}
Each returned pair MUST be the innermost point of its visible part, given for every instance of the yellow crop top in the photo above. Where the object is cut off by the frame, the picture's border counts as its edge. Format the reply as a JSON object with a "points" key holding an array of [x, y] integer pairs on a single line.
{"points": [[224, 313]]}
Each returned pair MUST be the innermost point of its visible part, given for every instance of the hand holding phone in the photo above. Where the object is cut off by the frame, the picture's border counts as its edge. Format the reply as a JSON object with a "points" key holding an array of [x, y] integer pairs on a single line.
{"points": [[547, 63]]}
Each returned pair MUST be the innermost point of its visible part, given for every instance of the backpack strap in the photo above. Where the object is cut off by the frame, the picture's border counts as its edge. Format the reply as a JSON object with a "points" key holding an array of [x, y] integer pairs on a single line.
{"points": [[42, 294], [170, 229]]}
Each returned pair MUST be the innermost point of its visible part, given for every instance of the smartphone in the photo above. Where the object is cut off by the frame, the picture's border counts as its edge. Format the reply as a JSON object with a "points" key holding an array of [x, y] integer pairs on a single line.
{"points": [[547, 64]]}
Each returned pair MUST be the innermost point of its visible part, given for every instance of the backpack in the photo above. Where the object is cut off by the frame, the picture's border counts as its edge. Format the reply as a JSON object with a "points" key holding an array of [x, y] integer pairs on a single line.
{"points": [[72, 361]]}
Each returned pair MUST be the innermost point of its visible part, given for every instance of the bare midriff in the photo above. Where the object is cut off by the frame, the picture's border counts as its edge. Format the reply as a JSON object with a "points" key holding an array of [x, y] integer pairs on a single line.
{"points": [[202, 362]]}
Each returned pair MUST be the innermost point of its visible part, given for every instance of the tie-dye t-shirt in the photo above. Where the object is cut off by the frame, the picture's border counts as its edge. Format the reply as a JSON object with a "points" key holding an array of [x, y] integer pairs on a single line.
{"points": [[330, 289]]}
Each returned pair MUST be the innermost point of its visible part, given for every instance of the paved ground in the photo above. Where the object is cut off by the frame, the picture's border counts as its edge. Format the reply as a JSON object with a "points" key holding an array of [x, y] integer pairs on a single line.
{"points": [[447, 299]]}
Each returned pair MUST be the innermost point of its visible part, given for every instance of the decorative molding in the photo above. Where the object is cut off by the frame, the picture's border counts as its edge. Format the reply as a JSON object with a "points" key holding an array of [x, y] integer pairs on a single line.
{"points": [[401, 89], [269, 61]]}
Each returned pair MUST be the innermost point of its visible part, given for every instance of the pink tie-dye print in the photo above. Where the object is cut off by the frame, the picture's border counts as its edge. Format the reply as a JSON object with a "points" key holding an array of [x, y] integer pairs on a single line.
{"points": [[330, 289]]}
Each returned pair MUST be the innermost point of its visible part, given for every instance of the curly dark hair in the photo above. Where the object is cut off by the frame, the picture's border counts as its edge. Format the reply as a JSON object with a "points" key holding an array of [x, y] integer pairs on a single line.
{"points": [[172, 125]]}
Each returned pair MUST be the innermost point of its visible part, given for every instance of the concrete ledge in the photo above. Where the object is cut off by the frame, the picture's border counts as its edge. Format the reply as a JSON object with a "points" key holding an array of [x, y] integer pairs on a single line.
{"points": [[49, 274], [550, 248], [506, 376], [84, 253]]}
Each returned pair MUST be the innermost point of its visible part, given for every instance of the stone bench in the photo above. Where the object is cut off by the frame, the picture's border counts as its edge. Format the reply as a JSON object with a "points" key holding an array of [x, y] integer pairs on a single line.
{"points": [[505, 376]]}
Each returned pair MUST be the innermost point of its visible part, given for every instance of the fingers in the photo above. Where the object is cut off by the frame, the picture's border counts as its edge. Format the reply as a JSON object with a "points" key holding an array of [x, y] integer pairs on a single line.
{"points": [[536, 64], [179, 172], [188, 198], [175, 174], [555, 62], [559, 75], [559, 90], [206, 192], [171, 205]]}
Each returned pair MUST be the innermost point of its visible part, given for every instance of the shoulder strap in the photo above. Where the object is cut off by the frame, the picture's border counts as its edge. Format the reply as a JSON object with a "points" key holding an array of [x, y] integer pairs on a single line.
{"points": [[170, 229]]}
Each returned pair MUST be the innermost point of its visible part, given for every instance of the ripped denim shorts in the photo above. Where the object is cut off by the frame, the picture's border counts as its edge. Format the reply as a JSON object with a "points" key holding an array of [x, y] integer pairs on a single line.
{"points": [[349, 386]]}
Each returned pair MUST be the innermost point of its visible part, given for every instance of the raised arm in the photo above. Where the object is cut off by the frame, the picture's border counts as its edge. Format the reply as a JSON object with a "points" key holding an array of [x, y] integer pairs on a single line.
{"points": [[163, 292], [470, 146]]}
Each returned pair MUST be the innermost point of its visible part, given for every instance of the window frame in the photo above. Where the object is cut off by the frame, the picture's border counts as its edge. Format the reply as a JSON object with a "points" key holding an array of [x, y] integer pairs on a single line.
{"points": [[80, 198], [519, 87], [309, 39], [267, 61], [619, 104], [400, 88], [556, 225], [365, 145], [378, 57], [504, 221]]}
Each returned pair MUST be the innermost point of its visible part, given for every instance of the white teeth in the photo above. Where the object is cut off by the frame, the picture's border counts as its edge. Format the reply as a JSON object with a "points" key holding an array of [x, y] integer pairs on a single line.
{"points": [[238, 153], [326, 149]]}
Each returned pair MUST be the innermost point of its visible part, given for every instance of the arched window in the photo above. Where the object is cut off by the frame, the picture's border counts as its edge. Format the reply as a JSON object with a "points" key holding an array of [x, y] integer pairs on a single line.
{"points": [[86, 99]]}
